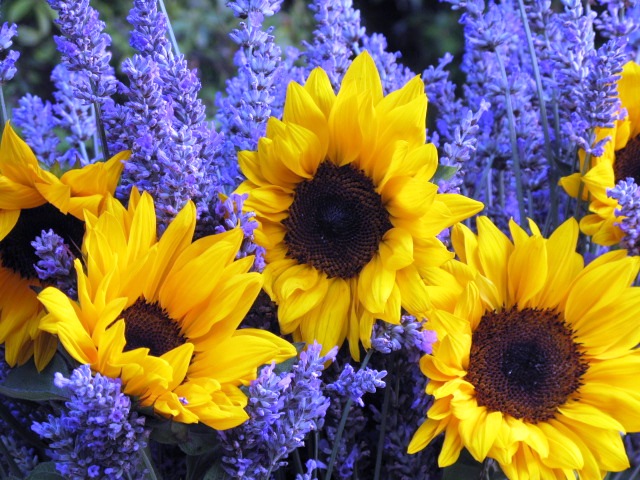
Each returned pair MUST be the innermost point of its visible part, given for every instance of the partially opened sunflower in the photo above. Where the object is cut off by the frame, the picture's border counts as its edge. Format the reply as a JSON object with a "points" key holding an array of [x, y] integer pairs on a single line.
{"points": [[347, 214], [162, 315], [32, 200], [621, 160], [537, 367]]}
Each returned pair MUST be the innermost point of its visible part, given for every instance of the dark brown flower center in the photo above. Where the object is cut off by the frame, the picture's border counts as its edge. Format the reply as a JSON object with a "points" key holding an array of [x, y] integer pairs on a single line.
{"points": [[147, 325], [524, 363], [16, 251], [336, 221], [627, 162]]}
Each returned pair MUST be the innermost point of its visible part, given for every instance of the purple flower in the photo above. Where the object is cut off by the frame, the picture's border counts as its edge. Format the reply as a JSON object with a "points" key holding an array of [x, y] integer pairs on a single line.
{"points": [[354, 384], [84, 48], [37, 121], [628, 196], [231, 216], [96, 434], [55, 266], [283, 408], [249, 101], [7, 64]]}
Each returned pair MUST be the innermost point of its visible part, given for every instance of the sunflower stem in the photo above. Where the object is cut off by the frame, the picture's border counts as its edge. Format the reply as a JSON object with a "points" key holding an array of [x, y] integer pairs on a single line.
{"points": [[341, 425], [513, 138]]}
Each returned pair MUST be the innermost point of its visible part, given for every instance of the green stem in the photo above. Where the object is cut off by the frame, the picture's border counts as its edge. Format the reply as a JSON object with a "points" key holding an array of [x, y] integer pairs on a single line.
{"points": [[3, 106], [103, 135], [383, 430], [28, 436], [316, 437], [583, 171], [15, 471], [514, 140], [298, 462], [343, 422], [174, 42], [553, 170], [146, 458]]}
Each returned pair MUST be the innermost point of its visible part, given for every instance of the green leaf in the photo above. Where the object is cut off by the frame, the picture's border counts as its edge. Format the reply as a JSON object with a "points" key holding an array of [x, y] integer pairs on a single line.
{"points": [[465, 467], [193, 439], [443, 172], [45, 471], [205, 467], [25, 383]]}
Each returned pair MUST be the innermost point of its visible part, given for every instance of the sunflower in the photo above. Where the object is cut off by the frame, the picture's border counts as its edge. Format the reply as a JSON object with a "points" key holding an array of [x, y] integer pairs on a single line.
{"points": [[163, 315], [620, 160], [347, 214], [33, 200], [536, 367]]}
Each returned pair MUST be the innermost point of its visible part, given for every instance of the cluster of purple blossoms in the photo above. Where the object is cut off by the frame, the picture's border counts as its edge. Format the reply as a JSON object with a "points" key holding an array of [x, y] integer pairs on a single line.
{"points": [[8, 56], [96, 434], [628, 197], [55, 266], [251, 95], [283, 409]]}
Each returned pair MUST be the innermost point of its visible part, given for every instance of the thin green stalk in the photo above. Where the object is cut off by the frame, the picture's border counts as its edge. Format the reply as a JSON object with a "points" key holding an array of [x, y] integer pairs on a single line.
{"points": [[553, 169], [174, 42], [146, 454], [103, 135], [341, 425], [298, 462], [383, 431], [15, 471], [513, 138], [583, 171], [316, 438], [27, 435], [4, 118]]}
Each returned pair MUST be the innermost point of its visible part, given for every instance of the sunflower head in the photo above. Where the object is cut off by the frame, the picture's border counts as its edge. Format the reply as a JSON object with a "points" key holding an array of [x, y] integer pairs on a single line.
{"points": [[532, 369], [162, 315], [620, 160], [33, 200], [347, 214]]}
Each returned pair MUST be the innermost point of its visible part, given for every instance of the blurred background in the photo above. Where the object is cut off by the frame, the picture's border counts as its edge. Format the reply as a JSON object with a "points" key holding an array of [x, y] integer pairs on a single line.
{"points": [[422, 30]]}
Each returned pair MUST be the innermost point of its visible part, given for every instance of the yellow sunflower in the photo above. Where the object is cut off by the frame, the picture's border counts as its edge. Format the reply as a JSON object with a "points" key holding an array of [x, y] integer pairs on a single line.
{"points": [[347, 214], [33, 200], [621, 159], [163, 315], [537, 366]]}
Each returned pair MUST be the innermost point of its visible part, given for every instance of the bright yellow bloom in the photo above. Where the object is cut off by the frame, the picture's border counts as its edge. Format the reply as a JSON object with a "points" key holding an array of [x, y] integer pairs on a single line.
{"points": [[163, 315], [537, 366], [347, 214], [621, 159], [32, 200]]}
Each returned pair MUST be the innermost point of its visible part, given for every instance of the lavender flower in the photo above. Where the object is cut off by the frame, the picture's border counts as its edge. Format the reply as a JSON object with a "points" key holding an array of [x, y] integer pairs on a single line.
{"points": [[249, 100], [96, 435], [409, 335], [354, 384], [84, 48], [172, 146], [36, 119], [231, 216], [283, 408], [55, 266], [628, 196], [7, 64]]}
